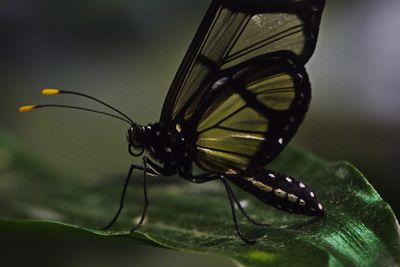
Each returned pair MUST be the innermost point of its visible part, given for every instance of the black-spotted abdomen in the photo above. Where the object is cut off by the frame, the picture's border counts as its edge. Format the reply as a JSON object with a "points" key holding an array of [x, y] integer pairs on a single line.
{"points": [[281, 191]]}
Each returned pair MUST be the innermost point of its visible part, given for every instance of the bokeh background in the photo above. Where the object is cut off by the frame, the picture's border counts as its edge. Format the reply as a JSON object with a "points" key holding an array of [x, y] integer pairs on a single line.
{"points": [[127, 52]]}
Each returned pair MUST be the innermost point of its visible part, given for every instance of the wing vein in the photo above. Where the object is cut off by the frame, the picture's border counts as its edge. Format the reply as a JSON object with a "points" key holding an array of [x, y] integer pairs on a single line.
{"points": [[275, 90], [240, 130], [198, 52], [224, 151], [223, 119], [263, 43], [242, 27]]}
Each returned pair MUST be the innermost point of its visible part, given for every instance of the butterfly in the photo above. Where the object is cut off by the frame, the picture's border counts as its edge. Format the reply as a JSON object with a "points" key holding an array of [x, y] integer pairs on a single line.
{"points": [[237, 99]]}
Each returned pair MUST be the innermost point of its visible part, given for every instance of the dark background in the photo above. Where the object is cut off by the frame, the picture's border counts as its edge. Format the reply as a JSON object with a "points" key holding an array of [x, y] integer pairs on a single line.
{"points": [[127, 52]]}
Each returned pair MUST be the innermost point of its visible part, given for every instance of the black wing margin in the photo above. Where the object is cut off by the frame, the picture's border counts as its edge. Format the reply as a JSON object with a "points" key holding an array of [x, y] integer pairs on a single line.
{"points": [[235, 31]]}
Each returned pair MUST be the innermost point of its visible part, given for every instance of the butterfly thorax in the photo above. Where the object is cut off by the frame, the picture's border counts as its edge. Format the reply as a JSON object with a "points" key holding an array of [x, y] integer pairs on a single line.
{"points": [[166, 144]]}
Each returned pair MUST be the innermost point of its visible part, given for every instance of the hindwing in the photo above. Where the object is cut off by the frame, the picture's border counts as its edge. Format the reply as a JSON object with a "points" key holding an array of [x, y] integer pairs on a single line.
{"points": [[250, 113]]}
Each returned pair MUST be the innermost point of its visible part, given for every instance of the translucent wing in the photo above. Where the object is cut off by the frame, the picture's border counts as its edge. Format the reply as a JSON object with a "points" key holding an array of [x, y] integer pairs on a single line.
{"points": [[251, 113], [235, 31]]}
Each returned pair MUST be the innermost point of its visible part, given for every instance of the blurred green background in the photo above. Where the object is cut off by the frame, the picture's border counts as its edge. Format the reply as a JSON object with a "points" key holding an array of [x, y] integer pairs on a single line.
{"points": [[127, 53]]}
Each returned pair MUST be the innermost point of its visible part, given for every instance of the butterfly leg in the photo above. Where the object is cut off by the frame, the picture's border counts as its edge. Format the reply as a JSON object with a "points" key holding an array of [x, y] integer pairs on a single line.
{"points": [[230, 191], [146, 201], [123, 194], [234, 217], [122, 199]]}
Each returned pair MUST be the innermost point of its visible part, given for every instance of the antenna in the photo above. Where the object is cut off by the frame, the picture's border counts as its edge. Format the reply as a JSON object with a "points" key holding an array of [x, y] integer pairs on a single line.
{"points": [[124, 117], [31, 107]]}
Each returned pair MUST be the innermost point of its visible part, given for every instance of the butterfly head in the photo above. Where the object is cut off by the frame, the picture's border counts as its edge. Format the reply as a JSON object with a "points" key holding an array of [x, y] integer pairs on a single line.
{"points": [[136, 140]]}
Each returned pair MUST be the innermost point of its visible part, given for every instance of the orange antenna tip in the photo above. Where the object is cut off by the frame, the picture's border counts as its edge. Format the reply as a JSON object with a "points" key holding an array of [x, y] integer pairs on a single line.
{"points": [[50, 91], [26, 108]]}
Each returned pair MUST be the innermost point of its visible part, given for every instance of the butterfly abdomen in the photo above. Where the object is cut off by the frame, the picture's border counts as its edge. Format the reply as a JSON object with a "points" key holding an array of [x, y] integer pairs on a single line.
{"points": [[280, 191]]}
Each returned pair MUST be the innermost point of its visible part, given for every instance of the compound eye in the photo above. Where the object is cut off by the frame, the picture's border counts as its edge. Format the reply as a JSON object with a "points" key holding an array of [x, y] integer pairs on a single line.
{"points": [[132, 139], [130, 136]]}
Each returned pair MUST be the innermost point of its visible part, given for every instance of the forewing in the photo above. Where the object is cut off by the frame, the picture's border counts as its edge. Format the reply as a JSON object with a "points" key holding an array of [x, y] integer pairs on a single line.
{"points": [[251, 113], [235, 31]]}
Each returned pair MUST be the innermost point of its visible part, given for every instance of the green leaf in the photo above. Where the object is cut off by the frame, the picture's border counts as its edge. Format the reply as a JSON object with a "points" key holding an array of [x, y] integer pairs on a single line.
{"points": [[359, 229]]}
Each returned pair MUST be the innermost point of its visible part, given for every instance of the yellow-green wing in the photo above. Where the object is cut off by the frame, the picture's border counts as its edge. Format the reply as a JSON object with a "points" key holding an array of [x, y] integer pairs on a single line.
{"points": [[251, 113]]}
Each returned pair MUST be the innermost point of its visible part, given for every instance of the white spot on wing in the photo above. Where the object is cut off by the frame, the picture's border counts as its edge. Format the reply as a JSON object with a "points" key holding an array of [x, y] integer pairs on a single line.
{"points": [[302, 185], [219, 83], [244, 203], [312, 194], [257, 20], [320, 206], [289, 180]]}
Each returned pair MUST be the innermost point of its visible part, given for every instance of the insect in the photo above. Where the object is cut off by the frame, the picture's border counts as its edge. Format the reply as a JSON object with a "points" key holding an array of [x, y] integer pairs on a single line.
{"points": [[237, 99]]}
